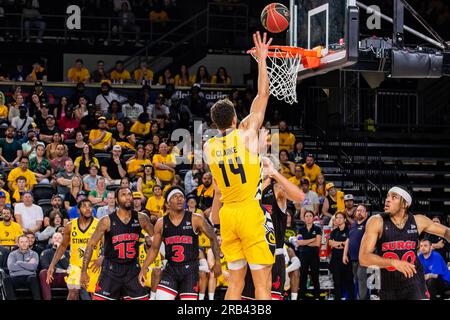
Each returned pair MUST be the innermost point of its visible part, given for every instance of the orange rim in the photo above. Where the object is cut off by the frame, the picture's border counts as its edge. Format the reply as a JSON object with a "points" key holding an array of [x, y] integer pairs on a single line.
{"points": [[288, 51]]}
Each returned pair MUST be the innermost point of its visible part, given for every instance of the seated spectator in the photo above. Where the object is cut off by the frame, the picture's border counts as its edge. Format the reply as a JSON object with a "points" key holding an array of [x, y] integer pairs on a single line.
{"points": [[59, 162], [155, 204], [35, 105], [312, 170], [32, 19], [51, 149], [192, 205], [127, 23], [21, 171], [22, 122], [10, 149], [83, 163], [158, 109], [319, 187], [221, 77], [183, 78], [81, 109], [41, 116], [138, 203], [311, 201], [158, 14], [287, 168], [22, 266], [286, 139], [57, 205], [197, 103], [103, 100], [64, 178], [19, 74], [14, 107], [60, 273], [90, 180], [143, 75], [205, 192], [114, 114], [149, 150], [131, 109], [28, 215], [56, 220], [164, 164], [100, 73], [74, 211], [299, 174], [298, 155], [47, 133], [89, 121], [437, 275], [202, 76], [16, 196], [98, 196], [39, 91], [3, 109], [36, 247], [144, 96], [334, 201], [124, 138], [69, 124], [78, 73], [120, 74], [179, 115], [114, 169], [148, 180], [60, 109], [350, 208], [80, 92], [193, 177], [5, 198], [70, 198], [166, 78], [38, 72], [100, 139], [9, 229], [135, 167], [110, 206], [439, 244], [141, 128], [76, 149]]}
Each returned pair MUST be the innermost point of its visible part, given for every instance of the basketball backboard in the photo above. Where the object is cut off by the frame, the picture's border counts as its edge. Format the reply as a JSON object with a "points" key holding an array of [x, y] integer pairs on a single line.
{"points": [[330, 24]]}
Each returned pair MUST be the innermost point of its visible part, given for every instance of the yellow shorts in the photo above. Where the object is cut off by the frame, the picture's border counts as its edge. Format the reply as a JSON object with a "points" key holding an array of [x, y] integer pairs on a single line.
{"points": [[247, 233], [74, 275]]}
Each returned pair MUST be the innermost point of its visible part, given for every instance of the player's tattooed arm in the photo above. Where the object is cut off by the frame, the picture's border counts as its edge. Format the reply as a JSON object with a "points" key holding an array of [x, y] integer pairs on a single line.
{"points": [[102, 227], [145, 223], [204, 227]]}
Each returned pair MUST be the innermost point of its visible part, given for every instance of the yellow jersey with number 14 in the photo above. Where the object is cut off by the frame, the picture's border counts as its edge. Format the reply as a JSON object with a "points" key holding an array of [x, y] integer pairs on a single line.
{"points": [[237, 171]]}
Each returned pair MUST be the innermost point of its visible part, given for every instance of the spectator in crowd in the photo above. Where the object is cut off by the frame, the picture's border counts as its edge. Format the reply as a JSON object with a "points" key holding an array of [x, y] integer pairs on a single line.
{"points": [[38, 72], [311, 201], [287, 168], [205, 192], [39, 91], [155, 204], [312, 170], [319, 187], [48, 131], [64, 178], [351, 250], [80, 91], [148, 180], [22, 266], [60, 159], [166, 78], [10, 149], [20, 190], [100, 139], [308, 245], [61, 267], [14, 107], [103, 100], [21, 171], [298, 155], [439, 244], [179, 115], [40, 165], [3, 109], [59, 110], [83, 163], [350, 208], [36, 247], [202, 76], [182, 79], [120, 74], [138, 203], [299, 174], [55, 221], [69, 123], [74, 211], [191, 203], [90, 180], [51, 149], [20, 74], [143, 75], [100, 73], [132, 109], [158, 14], [70, 198], [89, 122], [5, 198], [114, 169], [285, 139], [192, 177], [124, 138], [164, 165], [127, 23], [119, 3], [110, 206], [9, 229], [41, 115], [158, 109], [339, 264], [32, 19], [34, 106], [333, 202], [135, 167], [80, 110], [437, 274], [78, 73], [28, 215], [57, 205], [114, 114], [221, 77]]}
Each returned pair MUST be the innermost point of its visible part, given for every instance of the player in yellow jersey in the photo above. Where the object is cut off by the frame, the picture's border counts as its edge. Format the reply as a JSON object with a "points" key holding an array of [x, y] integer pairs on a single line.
{"points": [[154, 270], [247, 232], [76, 234]]}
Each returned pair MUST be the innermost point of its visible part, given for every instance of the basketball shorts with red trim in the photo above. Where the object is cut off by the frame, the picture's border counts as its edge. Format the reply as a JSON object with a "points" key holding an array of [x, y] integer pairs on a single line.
{"points": [[120, 281], [180, 280], [278, 279]]}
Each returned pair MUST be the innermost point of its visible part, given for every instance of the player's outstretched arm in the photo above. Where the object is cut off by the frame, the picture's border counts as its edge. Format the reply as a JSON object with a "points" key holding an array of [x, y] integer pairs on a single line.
{"points": [[367, 258], [258, 109], [102, 227], [425, 224], [59, 252], [146, 224], [204, 227], [152, 252]]}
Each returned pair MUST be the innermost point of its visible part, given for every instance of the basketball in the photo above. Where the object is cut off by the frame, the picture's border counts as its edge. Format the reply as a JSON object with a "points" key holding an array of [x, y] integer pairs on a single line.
{"points": [[275, 17]]}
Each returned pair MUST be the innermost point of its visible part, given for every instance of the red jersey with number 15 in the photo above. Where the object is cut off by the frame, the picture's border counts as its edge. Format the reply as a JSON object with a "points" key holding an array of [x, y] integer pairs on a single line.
{"points": [[181, 241]]}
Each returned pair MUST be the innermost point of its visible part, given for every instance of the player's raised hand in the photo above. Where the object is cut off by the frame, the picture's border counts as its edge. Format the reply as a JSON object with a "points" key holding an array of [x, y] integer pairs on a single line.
{"points": [[408, 269], [261, 48], [142, 277]]}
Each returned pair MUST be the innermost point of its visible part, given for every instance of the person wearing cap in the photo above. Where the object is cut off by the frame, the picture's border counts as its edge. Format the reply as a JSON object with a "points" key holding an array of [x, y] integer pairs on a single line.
{"points": [[106, 96], [299, 174], [312, 170], [311, 200], [22, 171], [395, 234], [100, 139], [29, 147], [334, 201], [22, 122], [4, 200], [9, 230], [40, 117], [138, 200], [10, 149], [110, 206], [50, 128], [114, 169], [78, 73], [350, 208]]}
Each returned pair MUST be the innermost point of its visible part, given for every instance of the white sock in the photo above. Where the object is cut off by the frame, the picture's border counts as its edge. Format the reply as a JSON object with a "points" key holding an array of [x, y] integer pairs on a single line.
{"points": [[201, 296], [152, 295], [294, 296], [211, 296]]}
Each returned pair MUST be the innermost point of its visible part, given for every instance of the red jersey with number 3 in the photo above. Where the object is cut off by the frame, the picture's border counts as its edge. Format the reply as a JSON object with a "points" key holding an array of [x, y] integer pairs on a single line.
{"points": [[181, 241], [122, 240], [399, 244]]}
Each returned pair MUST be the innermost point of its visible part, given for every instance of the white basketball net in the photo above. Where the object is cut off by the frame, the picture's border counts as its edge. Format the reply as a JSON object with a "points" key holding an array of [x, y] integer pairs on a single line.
{"points": [[282, 69]]}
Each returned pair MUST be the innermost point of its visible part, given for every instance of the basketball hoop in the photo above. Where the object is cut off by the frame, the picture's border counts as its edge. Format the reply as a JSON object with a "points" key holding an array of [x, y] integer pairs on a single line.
{"points": [[283, 65]]}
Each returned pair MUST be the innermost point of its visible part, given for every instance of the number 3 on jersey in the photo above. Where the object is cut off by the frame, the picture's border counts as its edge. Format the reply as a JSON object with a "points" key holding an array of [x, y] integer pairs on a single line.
{"points": [[234, 170]]}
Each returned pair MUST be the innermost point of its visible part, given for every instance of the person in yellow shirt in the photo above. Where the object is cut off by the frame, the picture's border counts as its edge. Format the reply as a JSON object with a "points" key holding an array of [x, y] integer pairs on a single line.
{"points": [[21, 183], [22, 171], [38, 73], [312, 170], [135, 166], [221, 77], [141, 127], [333, 202], [155, 204], [164, 165], [3, 108], [183, 78], [9, 230], [5, 198], [120, 74], [286, 140], [143, 73], [299, 174], [78, 73], [319, 187], [100, 139]]}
